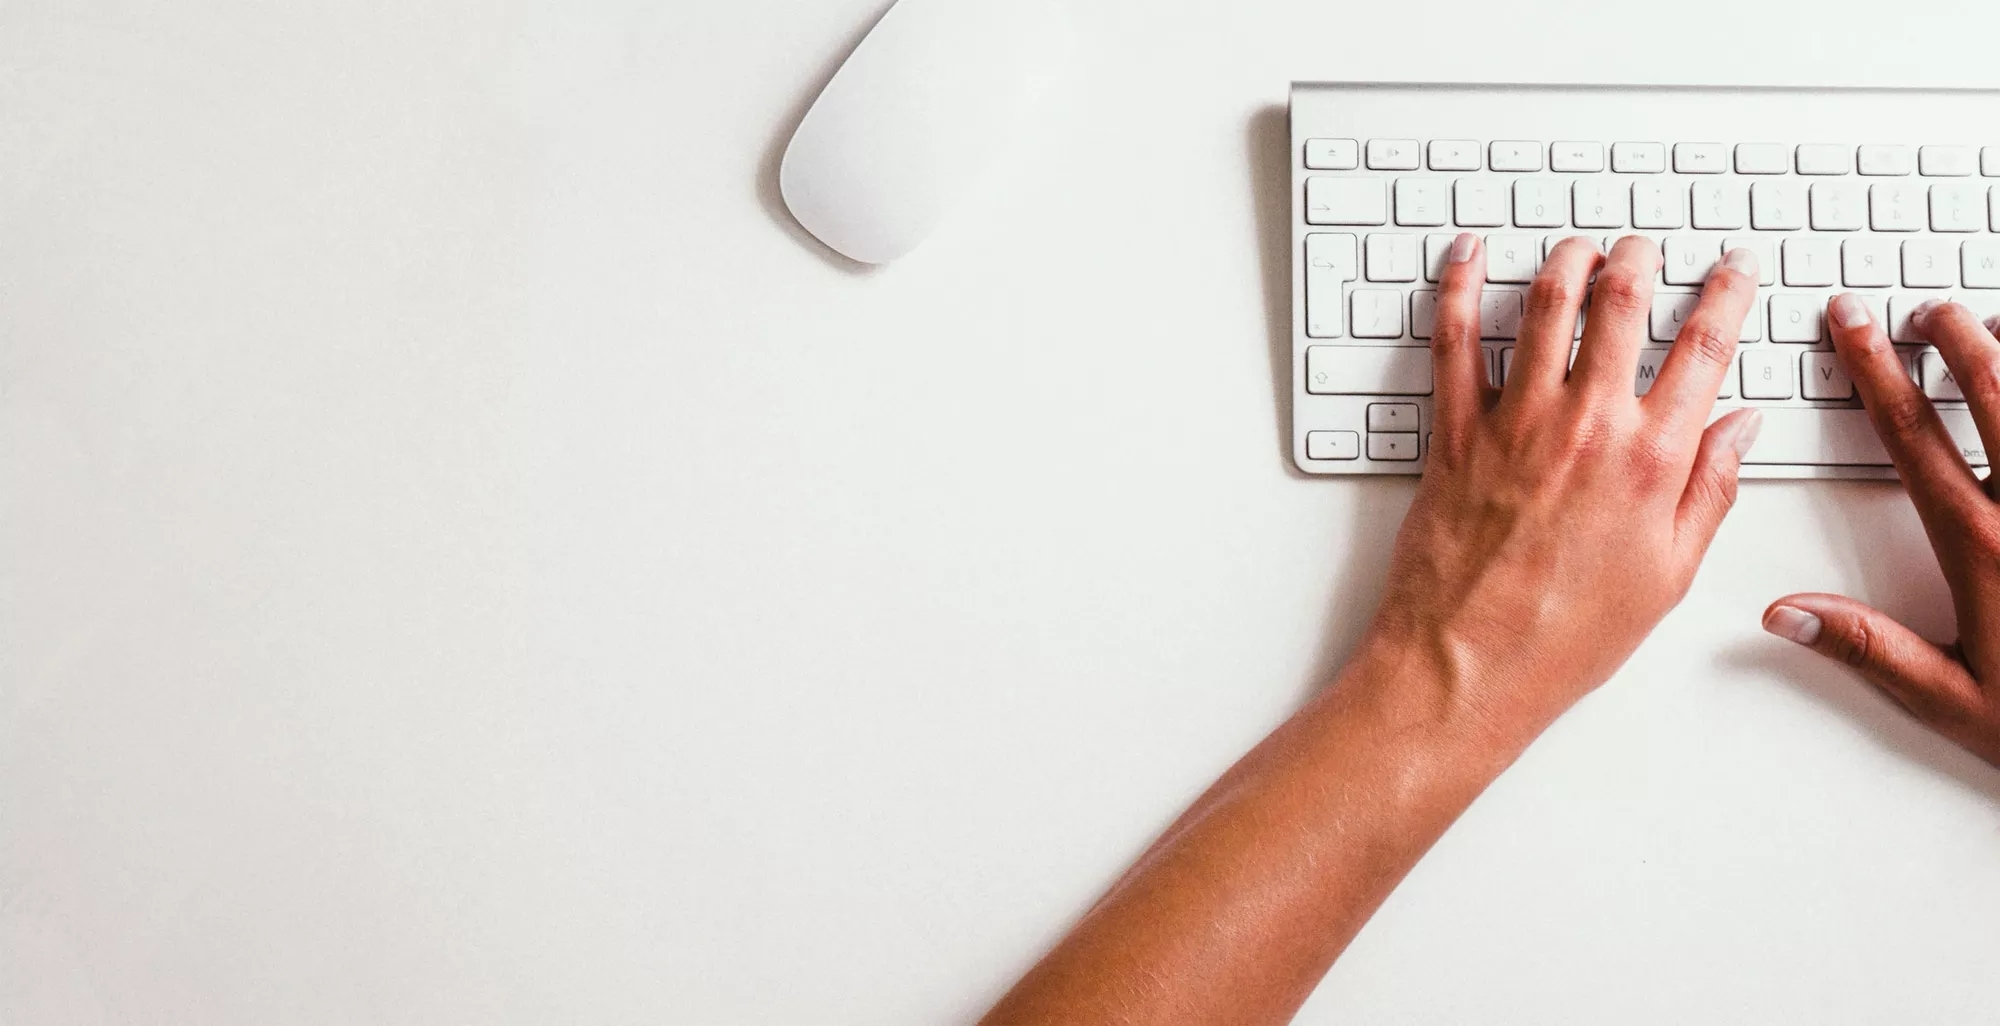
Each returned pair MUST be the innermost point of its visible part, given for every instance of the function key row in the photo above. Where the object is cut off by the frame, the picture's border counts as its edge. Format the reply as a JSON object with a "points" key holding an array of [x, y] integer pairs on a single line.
{"points": [[1652, 158]]}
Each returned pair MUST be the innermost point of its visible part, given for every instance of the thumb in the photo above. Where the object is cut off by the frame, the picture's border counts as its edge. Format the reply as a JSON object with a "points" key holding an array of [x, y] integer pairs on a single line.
{"points": [[1923, 678], [1711, 487]]}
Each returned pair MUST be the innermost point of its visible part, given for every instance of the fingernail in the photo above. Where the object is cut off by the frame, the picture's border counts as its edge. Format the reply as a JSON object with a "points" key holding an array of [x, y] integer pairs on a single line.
{"points": [[1462, 247], [1923, 312], [1746, 433], [1849, 311], [1742, 261], [1993, 326], [1792, 624]]}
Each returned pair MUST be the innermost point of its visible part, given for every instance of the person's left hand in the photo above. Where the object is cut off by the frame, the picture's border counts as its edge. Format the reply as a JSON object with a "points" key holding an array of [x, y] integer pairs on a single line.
{"points": [[1561, 517]]}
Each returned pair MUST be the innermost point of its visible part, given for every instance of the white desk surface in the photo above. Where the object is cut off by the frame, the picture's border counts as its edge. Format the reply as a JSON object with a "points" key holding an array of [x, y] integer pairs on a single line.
{"points": [[464, 560]]}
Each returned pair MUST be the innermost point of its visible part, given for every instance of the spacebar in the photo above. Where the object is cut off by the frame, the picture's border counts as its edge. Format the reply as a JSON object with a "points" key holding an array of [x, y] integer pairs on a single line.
{"points": [[1844, 438]]}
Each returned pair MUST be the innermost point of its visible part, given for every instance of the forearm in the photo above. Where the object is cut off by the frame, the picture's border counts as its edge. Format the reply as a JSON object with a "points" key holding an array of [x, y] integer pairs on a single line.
{"points": [[1240, 908]]}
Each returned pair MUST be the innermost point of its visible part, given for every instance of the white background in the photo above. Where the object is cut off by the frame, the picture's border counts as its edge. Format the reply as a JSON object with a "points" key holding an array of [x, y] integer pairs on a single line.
{"points": [[466, 558]]}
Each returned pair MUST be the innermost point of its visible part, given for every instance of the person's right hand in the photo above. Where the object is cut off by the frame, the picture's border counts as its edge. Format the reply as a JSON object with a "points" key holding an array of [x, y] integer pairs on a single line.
{"points": [[1954, 688]]}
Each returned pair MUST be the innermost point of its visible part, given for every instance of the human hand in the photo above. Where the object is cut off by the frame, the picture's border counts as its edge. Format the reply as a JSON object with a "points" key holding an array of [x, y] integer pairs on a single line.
{"points": [[1953, 688], [1561, 517]]}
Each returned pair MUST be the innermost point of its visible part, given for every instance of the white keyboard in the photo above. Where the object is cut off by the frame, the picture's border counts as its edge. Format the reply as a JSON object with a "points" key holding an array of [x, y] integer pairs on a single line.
{"points": [[1894, 194]]}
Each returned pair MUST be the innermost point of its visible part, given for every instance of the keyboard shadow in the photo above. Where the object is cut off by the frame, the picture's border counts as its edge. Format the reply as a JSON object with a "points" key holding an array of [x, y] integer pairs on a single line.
{"points": [[1268, 143], [1378, 502], [1871, 526]]}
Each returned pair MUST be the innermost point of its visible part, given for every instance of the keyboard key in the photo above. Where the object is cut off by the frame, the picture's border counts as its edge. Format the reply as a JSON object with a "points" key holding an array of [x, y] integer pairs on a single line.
{"points": [[1989, 161], [1869, 262], [1659, 204], [1515, 155], [1901, 329], [1768, 373], [1762, 159], [1423, 313], [1701, 158], [1896, 207], [1930, 263], [1392, 154], [1720, 205], [1844, 438], [1392, 447], [1376, 313], [1811, 261], [1423, 201], [1938, 381], [1391, 257], [1958, 207], [1392, 416], [1346, 200], [1824, 377], [1330, 263], [1454, 155], [1777, 206], [1332, 154], [1670, 311], [1480, 203], [1638, 158], [1947, 161], [1600, 203], [1979, 260], [1839, 207], [1984, 303], [1650, 361], [1333, 445], [1368, 370], [1766, 249], [1541, 203], [1512, 258], [1886, 160], [1576, 156], [1798, 318], [1437, 249], [1995, 224], [1689, 258], [1825, 159], [1499, 315]]}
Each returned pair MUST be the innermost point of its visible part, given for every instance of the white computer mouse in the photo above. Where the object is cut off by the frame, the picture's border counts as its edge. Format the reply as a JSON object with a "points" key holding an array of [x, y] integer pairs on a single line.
{"points": [[923, 107]]}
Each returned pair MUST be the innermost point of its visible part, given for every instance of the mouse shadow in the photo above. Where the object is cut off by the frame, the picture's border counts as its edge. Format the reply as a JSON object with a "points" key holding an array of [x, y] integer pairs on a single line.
{"points": [[1870, 525], [771, 196], [1268, 142]]}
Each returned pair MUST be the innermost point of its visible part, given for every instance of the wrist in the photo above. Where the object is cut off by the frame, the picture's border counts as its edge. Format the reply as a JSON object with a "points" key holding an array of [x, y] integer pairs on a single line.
{"points": [[1442, 696]]}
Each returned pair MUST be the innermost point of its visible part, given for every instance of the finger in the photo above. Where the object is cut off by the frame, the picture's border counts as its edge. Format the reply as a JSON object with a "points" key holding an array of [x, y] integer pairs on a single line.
{"points": [[1548, 324], [1933, 472], [1620, 307], [1458, 365], [1704, 351], [1920, 676], [1974, 358], [1711, 487]]}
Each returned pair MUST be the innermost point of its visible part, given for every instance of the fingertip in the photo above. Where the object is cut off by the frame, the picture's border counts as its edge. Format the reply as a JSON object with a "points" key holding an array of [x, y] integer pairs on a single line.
{"points": [[1792, 623], [1463, 248]]}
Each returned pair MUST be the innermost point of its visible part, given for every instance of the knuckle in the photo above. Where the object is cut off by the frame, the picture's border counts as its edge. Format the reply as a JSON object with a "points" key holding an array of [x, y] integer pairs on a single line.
{"points": [[1704, 341], [1981, 380], [1904, 415], [1860, 646], [1623, 291], [1554, 293]]}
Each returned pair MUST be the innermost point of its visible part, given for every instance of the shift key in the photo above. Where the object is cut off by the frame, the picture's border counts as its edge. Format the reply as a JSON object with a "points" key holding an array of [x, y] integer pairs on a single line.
{"points": [[1368, 370]]}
